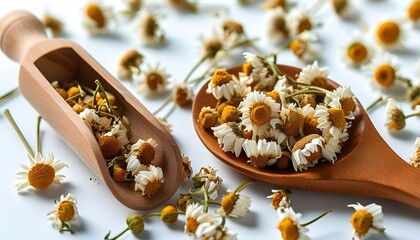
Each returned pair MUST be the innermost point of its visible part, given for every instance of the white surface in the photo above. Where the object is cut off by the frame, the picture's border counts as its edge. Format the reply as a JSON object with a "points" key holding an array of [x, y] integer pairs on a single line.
{"points": [[23, 216]]}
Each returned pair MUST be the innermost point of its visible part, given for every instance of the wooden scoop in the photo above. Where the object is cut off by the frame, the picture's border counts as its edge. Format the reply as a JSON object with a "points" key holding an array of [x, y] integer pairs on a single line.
{"points": [[43, 61], [366, 165]]}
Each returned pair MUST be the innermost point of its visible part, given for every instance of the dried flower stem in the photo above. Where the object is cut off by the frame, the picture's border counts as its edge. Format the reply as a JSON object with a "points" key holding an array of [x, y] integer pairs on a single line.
{"points": [[276, 51], [198, 64], [381, 99], [405, 80], [19, 133], [38, 135], [117, 236], [412, 115], [243, 185], [316, 219], [165, 103], [9, 94]]}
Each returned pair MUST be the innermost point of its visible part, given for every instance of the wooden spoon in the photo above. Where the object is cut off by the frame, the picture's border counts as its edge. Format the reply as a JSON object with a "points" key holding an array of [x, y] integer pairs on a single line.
{"points": [[366, 165], [44, 60]]}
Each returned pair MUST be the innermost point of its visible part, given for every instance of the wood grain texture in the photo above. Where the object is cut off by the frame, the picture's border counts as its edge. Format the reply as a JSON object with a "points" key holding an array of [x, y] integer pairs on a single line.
{"points": [[46, 60], [366, 165]]}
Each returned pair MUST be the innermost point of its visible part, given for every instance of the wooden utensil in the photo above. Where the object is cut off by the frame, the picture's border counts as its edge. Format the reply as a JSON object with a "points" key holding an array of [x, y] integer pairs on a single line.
{"points": [[42, 61], [366, 165]]}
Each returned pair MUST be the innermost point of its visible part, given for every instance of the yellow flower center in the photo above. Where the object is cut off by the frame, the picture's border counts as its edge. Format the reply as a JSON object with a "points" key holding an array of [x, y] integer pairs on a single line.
{"points": [[304, 24], [109, 145], [212, 47], [181, 96], [191, 225], [361, 221], [247, 134], [384, 75], [221, 77], [247, 68], [153, 80], [41, 175], [298, 47], [146, 153], [396, 120], [150, 26], [52, 23], [131, 58], [62, 92], [348, 105], [231, 26], [78, 108], [388, 32], [357, 52], [337, 118], [94, 12], [414, 10], [152, 187], [277, 197], [118, 174], [274, 95], [294, 121], [319, 82], [72, 92], [260, 114], [65, 211], [229, 114], [288, 229], [281, 25], [229, 201], [207, 118], [339, 6], [260, 161], [310, 125], [168, 214], [301, 144]]}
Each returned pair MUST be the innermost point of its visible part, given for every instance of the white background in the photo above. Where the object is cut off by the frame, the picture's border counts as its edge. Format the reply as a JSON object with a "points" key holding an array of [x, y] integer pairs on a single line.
{"points": [[23, 216]]}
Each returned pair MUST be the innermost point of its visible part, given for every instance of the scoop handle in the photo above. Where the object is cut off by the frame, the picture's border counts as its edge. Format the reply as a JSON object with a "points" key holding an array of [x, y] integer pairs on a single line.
{"points": [[19, 31]]}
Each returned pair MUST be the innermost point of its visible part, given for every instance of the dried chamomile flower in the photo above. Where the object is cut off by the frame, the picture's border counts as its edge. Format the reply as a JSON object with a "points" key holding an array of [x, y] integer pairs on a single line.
{"points": [[141, 155], [413, 95], [52, 24], [293, 120], [261, 152], [183, 5], [271, 4], [110, 146], [222, 84], [135, 223], [235, 204], [314, 75], [280, 198], [229, 136], [132, 7], [344, 98], [182, 201], [332, 120], [390, 34], [259, 113], [305, 46], [97, 18], [64, 213], [208, 117], [212, 230], [331, 147], [413, 12], [129, 64], [276, 26], [41, 172], [256, 73], [290, 226], [119, 131], [395, 117], [186, 167], [366, 220], [206, 181], [195, 216], [415, 159], [154, 79], [231, 27], [148, 182], [357, 51], [342, 8], [169, 214], [165, 124], [182, 94], [307, 151], [211, 47], [300, 19], [119, 174], [148, 29]]}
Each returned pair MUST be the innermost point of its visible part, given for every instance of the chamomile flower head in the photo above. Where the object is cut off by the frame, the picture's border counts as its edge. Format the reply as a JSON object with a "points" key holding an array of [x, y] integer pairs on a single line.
{"points": [[300, 19], [255, 73], [390, 34], [182, 94], [276, 26], [331, 147], [357, 51], [312, 74], [141, 155], [305, 46], [235, 204], [413, 12], [119, 132], [52, 24], [229, 137], [183, 5], [97, 18], [331, 119], [384, 71], [366, 220], [154, 79], [64, 213], [231, 27], [129, 64], [207, 179], [276, 135], [395, 117], [293, 119], [214, 231], [289, 225], [148, 182], [307, 151], [343, 98], [186, 167], [41, 172], [279, 199], [415, 159], [148, 29], [208, 117], [271, 4], [261, 152], [259, 113], [222, 84], [89, 116], [195, 216], [342, 8]]}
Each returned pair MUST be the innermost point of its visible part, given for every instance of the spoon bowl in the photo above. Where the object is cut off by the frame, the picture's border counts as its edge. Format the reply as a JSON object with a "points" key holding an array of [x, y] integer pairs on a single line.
{"points": [[366, 165], [43, 61]]}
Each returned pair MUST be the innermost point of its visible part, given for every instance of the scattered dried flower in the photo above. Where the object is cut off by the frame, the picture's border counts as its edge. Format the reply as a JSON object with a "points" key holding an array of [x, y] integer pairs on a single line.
{"points": [[148, 182], [154, 79], [395, 116], [357, 51], [289, 225], [366, 220], [97, 18], [384, 71], [148, 29], [52, 24], [413, 12], [305, 46], [280, 199], [195, 216], [390, 34], [276, 26], [129, 64], [64, 213]]}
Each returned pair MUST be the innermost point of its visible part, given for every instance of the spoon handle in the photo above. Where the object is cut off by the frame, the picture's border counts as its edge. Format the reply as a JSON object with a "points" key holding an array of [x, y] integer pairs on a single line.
{"points": [[19, 31]]}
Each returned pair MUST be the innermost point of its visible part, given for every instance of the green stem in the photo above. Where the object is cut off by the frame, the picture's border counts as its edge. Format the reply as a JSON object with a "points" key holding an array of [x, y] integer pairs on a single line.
{"points": [[85, 88], [98, 83], [119, 235], [165, 103], [206, 201], [243, 185], [412, 115], [405, 80], [222, 224], [305, 92], [278, 73], [379, 229], [153, 214], [379, 100], [38, 135], [9, 94], [276, 51], [202, 59], [169, 112], [316, 219], [19, 133]]}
